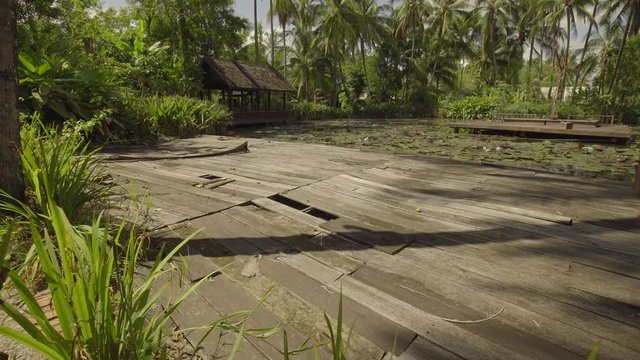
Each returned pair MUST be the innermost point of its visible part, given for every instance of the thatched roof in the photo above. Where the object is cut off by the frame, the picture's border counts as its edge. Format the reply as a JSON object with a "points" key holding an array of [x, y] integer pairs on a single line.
{"points": [[235, 75]]}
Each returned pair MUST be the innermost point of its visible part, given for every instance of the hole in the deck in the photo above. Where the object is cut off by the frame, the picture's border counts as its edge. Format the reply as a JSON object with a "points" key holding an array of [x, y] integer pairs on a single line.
{"points": [[302, 207], [209, 177]]}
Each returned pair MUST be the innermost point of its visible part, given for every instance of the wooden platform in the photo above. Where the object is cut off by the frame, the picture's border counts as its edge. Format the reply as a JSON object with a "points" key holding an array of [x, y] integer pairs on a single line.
{"points": [[423, 250], [620, 133]]}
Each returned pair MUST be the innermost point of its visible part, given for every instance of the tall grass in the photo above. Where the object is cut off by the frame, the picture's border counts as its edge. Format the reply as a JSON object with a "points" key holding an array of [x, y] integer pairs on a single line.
{"points": [[61, 158], [105, 308]]}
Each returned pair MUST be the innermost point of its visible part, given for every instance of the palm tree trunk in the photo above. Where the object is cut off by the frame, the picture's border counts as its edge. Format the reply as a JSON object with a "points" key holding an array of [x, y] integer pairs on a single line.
{"points": [[273, 41], [10, 168], [530, 63], [587, 38], [564, 67], [437, 53], [255, 30], [284, 47], [622, 45], [635, 23], [364, 66]]}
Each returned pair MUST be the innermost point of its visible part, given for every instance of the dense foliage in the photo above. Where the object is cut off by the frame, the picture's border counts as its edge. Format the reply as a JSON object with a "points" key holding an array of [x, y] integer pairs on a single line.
{"points": [[141, 64], [359, 57], [415, 51]]}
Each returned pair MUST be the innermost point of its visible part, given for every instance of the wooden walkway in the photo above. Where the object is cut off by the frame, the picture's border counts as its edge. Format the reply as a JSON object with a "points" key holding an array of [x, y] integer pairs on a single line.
{"points": [[423, 251], [524, 127]]}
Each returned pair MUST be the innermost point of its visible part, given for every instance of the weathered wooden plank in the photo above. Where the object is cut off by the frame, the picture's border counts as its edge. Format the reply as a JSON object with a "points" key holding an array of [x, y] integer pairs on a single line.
{"points": [[227, 297], [370, 324], [293, 234], [577, 331], [443, 333], [379, 238], [451, 210], [496, 331], [421, 349]]}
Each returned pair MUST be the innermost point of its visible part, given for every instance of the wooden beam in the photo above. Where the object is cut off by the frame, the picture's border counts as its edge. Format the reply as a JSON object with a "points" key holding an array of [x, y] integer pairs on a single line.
{"points": [[269, 100]]}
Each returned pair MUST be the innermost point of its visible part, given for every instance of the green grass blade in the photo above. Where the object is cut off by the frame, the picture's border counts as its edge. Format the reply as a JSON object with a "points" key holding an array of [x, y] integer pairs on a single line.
{"points": [[32, 343]]}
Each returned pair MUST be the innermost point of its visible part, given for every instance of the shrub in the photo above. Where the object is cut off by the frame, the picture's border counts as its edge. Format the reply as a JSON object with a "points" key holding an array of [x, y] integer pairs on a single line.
{"points": [[179, 116], [468, 108], [309, 110], [60, 158], [385, 110]]}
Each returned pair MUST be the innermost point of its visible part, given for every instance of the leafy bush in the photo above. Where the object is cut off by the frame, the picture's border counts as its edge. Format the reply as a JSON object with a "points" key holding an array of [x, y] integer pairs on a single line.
{"points": [[468, 108], [309, 110], [385, 110], [480, 107], [179, 116], [61, 160]]}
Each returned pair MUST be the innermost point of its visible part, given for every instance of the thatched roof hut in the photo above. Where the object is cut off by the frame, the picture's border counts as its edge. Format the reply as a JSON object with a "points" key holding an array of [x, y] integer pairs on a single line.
{"points": [[239, 76], [243, 87]]}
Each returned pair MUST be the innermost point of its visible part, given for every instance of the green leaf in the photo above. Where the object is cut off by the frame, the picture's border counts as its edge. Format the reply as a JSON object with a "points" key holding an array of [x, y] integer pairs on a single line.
{"points": [[43, 68], [138, 42], [594, 352], [27, 62], [28, 341]]}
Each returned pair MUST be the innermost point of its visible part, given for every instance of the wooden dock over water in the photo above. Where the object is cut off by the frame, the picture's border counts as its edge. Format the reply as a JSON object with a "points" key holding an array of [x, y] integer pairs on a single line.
{"points": [[436, 259], [535, 127]]}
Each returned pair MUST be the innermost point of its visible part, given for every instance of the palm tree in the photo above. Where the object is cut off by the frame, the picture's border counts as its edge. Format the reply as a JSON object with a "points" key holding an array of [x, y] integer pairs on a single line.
{"points": [[494, 18], [10, 169], [587, 38], [284, 10], [410, 19], [567, 9], [621, 12], [371, 28], [336, 32], [410, 16], [308, 63], [444, 15]]}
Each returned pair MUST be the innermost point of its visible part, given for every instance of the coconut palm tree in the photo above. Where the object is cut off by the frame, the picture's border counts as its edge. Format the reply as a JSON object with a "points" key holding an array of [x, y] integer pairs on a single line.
{"points": [[494, 19], [587, 38], [444, 15], [336, 31], [371, 28], [567, 10], [621, 16], [308, 62], [284, 10]]}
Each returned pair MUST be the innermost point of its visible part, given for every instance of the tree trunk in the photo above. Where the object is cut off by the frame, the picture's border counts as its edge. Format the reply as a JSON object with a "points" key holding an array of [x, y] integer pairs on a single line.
{"points": [[10, 167], [619, 58], [530, 63], [255, 30], [635, 22], [564, 67], [273, 41], [586, 40], [364, 67], [284, 46]]}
